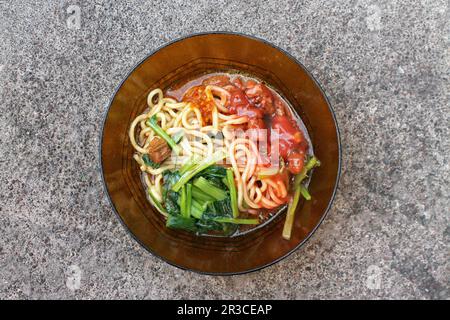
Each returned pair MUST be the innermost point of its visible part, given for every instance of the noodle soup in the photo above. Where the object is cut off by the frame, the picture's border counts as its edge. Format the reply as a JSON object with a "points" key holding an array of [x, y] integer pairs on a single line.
{"points": [[222, 154]]}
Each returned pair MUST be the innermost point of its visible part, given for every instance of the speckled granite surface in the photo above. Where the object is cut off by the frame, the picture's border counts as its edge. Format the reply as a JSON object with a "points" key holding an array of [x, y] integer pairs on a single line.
{"points": [[385, 66]]}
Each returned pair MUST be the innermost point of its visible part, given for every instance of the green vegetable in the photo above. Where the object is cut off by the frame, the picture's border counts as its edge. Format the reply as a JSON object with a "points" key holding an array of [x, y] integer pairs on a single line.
{"points": [[188, 199], [305, 192], [289, 222], [236, 220], [312, 163], [214, 171], [206, 225], [180, 222], [225, 182], [152, 123], [149, 162], [193, 160], [170, 198], [209, 189], [299, 190], [169, 179], [233, 193], [200, 195], [205, 163], [215, 175], [183, 202], [220, 208], [198, 208]]}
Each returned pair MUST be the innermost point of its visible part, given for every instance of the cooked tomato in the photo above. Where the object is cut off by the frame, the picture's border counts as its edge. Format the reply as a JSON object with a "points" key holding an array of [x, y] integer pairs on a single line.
{"points": [[296, 161]]}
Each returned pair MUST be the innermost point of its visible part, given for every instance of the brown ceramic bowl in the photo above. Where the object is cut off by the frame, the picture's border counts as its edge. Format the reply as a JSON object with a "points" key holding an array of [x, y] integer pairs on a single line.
{"points": [[186, 58]]}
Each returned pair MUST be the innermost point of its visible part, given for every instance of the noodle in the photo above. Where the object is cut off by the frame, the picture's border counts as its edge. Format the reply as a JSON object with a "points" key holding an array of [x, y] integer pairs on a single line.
{"points": [[242, 153]]}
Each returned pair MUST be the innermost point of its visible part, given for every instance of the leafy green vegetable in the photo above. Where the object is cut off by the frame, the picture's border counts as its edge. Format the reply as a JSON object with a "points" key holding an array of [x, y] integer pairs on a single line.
{"points": [[205, 225], [188, 199], [191, 163], [152, 123], [237, 220], [149, 162], [225, 182], [198, 208], [200, 195], [215, 175], [209, 189], [180, 222], [183, 202], [233, 193], [171, 204], [170, 198], [312, 163], [220, 208], [214, 171], [169, 179], [204, 205], [205, 163], [305, 192], [289, 222], [299, 190]]}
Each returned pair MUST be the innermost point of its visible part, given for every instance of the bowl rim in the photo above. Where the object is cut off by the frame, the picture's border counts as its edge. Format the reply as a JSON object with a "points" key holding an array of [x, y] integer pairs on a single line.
{"points": [[252, 37]]}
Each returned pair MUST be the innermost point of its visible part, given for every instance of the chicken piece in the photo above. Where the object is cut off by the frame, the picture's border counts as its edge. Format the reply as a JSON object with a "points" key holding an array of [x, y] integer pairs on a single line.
{"points": [[158, 150]]}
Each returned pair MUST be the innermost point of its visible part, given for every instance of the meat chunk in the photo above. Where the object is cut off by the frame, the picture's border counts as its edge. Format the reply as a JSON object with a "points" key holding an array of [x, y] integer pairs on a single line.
{"points": [[260, 96], [158, 150]]}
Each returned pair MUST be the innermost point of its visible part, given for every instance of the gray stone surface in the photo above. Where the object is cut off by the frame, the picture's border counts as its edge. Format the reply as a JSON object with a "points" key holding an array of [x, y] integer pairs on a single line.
{"points": [[385, 66]]}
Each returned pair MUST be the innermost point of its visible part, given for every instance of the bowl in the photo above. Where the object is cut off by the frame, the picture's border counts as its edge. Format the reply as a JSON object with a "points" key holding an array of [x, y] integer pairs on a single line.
{"points": [[183, 59]]}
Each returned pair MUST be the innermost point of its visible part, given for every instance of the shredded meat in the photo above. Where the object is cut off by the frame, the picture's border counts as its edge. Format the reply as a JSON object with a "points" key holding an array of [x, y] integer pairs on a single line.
{"points": [[158, 150]]}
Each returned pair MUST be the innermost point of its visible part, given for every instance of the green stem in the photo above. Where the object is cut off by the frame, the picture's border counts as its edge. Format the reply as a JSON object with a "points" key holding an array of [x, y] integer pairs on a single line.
{"points": [[305, 192], [205, 163], [312, 163], [188, 199], [233, 192], [289, 222], [236, 221], [199, 195], [209, 189], [183, 200]]}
